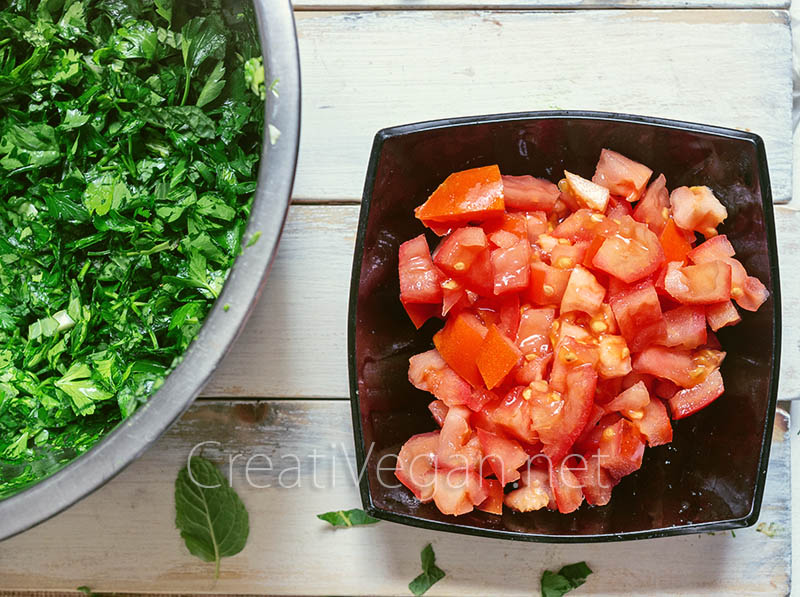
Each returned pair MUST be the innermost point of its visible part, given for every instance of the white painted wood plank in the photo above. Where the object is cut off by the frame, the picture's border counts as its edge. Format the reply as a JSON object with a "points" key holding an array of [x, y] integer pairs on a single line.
{"points": [[295, 342], [535, 4], [123, 539], [366, 71]]}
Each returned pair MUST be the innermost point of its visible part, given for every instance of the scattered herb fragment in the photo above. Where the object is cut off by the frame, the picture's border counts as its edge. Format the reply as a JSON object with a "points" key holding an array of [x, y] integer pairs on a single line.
{"points": [[769, 529], [347, 518], [254, 239], [210, 515], [565, 580], [733, 534], [130, 137], [226, 307], [431, 573], [86, 590]]}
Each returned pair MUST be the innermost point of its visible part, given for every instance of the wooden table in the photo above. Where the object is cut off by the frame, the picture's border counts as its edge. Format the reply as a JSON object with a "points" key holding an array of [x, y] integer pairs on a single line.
{"points": [[283, 389]]}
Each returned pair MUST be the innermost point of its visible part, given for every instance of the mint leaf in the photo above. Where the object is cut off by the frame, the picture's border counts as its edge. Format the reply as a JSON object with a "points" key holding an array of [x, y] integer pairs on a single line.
{"points": [[568, 578], [431, 573], [214, 85], [347, 518], [210, 515]]}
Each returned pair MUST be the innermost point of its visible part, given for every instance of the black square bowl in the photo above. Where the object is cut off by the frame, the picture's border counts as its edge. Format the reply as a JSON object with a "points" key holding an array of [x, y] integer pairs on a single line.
{"points": [[712, 475]]}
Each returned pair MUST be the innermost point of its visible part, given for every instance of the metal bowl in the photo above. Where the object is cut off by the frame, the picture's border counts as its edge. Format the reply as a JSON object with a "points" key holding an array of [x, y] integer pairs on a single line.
{"points": [[242, 289]]}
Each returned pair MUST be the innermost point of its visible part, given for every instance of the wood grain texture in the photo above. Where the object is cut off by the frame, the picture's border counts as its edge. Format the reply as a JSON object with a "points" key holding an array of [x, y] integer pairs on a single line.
{"points": [[536, 4], [365, 71], [122, 538], [295, 343]]}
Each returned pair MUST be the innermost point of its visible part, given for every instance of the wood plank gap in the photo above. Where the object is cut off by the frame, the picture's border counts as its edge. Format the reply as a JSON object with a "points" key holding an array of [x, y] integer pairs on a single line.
{"points": [[529, 8]]}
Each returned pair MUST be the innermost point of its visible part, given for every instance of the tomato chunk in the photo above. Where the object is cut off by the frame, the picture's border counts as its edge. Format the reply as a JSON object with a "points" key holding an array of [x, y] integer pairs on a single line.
{"points": [[635, 398], [511, 267], [631, 254], [459, 343], [419, 277], [577, 407], [621, 449], [654, 423], [595, 481], [420, 313], [415, 465], [566, 488], [620, 175], [685, 327], [439, 411], [458, 251], [672, 364], [429, 372], [534, 492], [497, 356], [583, 292], [706, 283], [673, 243], [697, 209], [690, 400], [635, 308], [715, 248], [504, 455], [653, 209], [586, 193], [458, 447], [548, 284], [466, 196], [457, 492], [754, 294], [493, 504], [529, 193]]}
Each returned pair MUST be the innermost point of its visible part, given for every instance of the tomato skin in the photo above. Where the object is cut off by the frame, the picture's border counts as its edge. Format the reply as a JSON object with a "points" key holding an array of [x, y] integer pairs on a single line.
{"points": [[583, 292], [504, 455], [621, 175], [415, 464], [690, 400], [547, 284], [459, 343], [653, 209], [429, 372], [529, 193], [566, 488], [621, 449], [511, 267], [466, 196], [497, 357], [493, 504], [654, 424], [419, 277], [419, 313]]}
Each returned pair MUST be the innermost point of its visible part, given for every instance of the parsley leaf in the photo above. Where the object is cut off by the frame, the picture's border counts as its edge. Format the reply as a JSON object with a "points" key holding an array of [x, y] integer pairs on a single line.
{"points": [[568, 578], [211, 517], [347, 518], [431, 573]]}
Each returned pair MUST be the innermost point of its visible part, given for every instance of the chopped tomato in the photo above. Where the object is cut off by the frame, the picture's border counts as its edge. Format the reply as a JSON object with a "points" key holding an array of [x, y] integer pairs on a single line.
{"points": [[621, 448], [569, 354], [419, 277], [673, 243], [504, 455], [415, 464], [618, 209], [754, 294], [534, 492], [512, 415], [419, 313], [439, 411], [635, 308], [467, 196], [578, 400], [620, 175], [584, 225], [585, 192], [429, 372], [614, 357], [685, 327], [690, 400], [537, 224], [631, 254], [705, 283], [547, 284], [635, 398], [457, 492], [479, 398], [509, 315], [583, 292], [459, 343], [566, 256], [566, 488], [529, 193], [493, 504], [595, 481], [497, 356], [458, 447], [458, 251], [511, 267], [715, 248], [697, 209], [653, 423], [653, 209]]}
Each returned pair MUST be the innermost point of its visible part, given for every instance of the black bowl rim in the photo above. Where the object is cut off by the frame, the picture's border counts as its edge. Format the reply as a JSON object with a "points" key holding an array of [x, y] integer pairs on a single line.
{"points": [[129, 440], [465, 529]]}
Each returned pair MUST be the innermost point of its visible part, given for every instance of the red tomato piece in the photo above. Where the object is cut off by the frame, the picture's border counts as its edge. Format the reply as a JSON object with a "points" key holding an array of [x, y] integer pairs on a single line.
{"points": [[533, 334], [586, 193], [583, 292], [717, 247], [457, 492], [621, 449], [534, 492], [569, 354], [566, 488], [467, 196], [439, 411], [578, 402], [589, 441], [419, 277], [682, 367], [509, 315], [690, 400], [685, 327], [458, 447], [697, 209], [419, 313], [622, 176], [584, 225], [653, 209], [429, 372], [705, 283], [458, 251], [504, 455], [547, 284], [529, 193], [635, 308], [415, 464], [631, 254], [503, 239], [654, 423], [514, 223], [754, 294], [537, 224], [673, 243], [664, 388], [493, 504], [497, 356], [459, 343], [567, 256], [614, 357], [511, 268], [512, 415], [595, 481], [618, 209], [479, 398], [635, 398]]}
